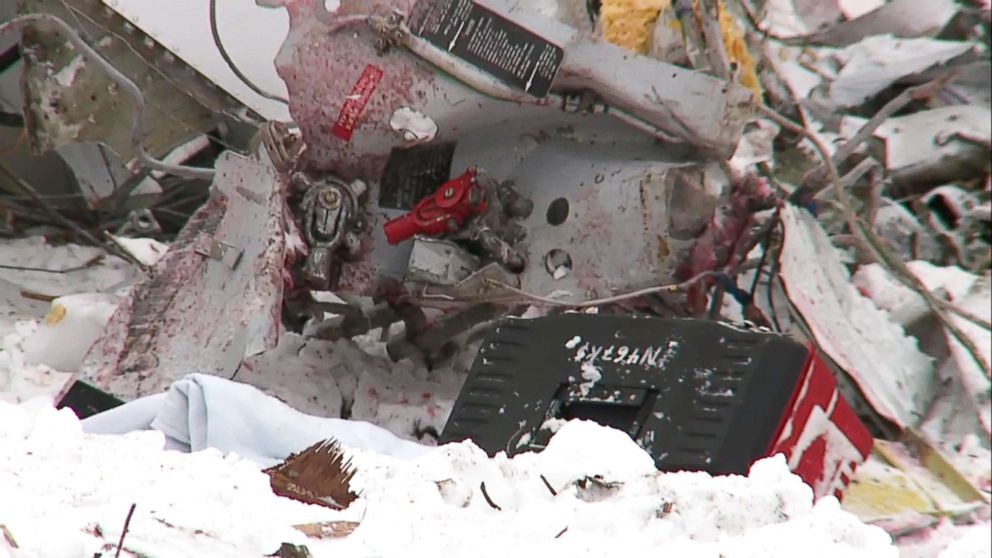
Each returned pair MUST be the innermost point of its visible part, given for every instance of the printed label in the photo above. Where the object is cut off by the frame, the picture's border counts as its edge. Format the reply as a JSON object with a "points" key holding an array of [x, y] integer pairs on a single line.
{"points": [[646, 357], [413, 173], [354, 104], [489, 41]]}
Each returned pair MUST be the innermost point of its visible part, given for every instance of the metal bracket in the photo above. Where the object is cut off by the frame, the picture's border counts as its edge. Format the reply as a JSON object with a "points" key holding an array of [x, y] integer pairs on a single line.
{"points": [[208, 247]]}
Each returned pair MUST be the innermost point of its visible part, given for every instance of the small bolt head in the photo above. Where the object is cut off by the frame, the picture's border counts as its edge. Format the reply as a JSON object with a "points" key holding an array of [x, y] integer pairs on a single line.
{"points": [[330, 198]]}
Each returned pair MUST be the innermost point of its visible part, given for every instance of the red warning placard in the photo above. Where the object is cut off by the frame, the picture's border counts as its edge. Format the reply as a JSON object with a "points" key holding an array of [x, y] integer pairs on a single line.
{"points": [[354, 104]]}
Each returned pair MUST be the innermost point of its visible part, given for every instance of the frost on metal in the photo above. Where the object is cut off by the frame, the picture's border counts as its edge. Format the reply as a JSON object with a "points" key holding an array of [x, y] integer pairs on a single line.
{"points": [[887, 365], [213, 299]]}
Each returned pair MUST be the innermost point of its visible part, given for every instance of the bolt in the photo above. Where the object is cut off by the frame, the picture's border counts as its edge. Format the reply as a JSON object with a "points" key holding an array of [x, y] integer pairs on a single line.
{"points": [[330, 198], [449, 192]]}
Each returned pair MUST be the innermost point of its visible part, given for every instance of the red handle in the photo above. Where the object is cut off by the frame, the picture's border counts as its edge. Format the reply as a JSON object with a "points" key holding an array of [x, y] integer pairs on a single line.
{"points": [[443, 211]]}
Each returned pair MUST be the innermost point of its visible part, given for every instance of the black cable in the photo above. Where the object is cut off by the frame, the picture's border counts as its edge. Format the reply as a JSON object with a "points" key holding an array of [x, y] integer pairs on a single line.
{"points": [[772, 273], [230, 63]]}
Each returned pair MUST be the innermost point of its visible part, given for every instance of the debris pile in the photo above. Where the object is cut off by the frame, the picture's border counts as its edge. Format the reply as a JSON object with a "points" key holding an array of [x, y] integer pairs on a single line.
{"points": [[344, 217]]}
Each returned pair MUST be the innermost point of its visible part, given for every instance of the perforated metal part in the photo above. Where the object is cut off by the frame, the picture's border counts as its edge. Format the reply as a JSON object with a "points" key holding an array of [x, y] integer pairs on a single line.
{"points": [[696, 395]]}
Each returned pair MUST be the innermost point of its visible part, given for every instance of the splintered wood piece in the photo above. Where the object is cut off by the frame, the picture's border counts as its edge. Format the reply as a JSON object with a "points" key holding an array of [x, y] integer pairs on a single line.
{"points": [[318, 475]]}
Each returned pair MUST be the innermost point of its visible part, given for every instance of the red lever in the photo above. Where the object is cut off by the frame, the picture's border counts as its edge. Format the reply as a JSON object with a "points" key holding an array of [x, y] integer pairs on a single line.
{"points": [[443, 211]]}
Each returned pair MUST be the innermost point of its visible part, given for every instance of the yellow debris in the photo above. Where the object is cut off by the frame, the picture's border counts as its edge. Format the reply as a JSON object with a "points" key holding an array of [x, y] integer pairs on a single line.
{"points": [[880, 491], [737, 52], [630, 23], [55, 315]]}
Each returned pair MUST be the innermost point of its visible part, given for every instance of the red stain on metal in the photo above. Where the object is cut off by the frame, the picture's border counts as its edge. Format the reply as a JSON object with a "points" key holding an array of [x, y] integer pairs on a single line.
{"points": [[322, 60], [718, 245], [354, 104]]}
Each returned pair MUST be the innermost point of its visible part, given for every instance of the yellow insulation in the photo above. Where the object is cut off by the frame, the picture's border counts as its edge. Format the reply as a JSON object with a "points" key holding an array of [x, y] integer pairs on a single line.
{"points": [[631, 25]]}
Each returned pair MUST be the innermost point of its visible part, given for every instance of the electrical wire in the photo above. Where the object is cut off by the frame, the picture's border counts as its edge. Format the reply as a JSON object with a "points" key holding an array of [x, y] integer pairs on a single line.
{"points": [[215, 33], [608, 300]]}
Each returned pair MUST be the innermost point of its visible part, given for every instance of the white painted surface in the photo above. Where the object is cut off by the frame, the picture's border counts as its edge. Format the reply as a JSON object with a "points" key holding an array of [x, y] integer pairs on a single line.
{"points": [[251, 34]]}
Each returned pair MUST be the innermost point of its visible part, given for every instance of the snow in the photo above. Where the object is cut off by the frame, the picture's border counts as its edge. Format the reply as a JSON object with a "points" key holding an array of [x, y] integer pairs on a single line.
{"points": [[857, 8], [876, 62], [148, 251], [202, 504], [56, 273], [67, 75], [37, 352], [971, 293], [609, 501], [414, 125], [355, 379], [591, 374], [72, 325], [947, 540], [899, 300], [19, 380], [975, 543]]}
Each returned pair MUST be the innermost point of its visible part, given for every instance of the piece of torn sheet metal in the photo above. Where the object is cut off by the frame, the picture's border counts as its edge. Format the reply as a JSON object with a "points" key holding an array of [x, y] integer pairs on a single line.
{"points": [[887, 365], [877, 62], [213, 299]]}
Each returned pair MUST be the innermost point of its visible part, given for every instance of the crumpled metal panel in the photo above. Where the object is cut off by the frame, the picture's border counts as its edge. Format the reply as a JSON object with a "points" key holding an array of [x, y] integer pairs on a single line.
{"points": [[894, 375], [612, 174], [215, 298], [622, 234], [68, 100], [327, 56]]}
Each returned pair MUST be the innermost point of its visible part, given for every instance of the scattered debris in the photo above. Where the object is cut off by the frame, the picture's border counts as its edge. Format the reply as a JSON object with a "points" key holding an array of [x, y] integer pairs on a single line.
{"points": [[318, 475], [683, 389], [328, 530], [474, 185], [894, 374], [127, 523], [292, 551], [7, 536]]}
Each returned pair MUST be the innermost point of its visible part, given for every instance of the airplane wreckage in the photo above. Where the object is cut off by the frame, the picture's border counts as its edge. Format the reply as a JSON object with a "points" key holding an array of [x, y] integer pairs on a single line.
{"points": [[446, 167]]}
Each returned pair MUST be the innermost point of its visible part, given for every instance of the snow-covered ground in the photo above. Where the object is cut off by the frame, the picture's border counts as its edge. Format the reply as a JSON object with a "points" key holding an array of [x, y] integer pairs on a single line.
{"points": [[66, 494], [592, 492]]}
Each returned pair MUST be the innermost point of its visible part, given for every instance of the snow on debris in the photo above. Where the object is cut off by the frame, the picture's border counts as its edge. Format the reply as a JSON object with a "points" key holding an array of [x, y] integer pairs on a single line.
{"points": [[66, 494], [974, 543]]}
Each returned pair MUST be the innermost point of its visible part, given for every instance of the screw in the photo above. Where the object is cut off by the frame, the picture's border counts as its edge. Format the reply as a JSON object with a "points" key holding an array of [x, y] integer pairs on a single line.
{"points": [[330, 198]]}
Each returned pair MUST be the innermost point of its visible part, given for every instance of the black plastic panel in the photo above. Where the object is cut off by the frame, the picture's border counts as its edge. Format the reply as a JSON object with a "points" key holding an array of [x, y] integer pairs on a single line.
{"points": [[86, 400], [697, 395]]}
